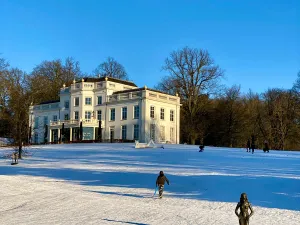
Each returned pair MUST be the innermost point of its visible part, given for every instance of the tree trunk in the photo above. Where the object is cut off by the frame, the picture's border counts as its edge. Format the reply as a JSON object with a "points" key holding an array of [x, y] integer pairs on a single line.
{"points": [[193, 140], [20, 150]]}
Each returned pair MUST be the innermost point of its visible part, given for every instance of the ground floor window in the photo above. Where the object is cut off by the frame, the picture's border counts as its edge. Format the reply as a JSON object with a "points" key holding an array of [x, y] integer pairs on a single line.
{"points": [[152, 132], [54, 135], [162, 133], [172, 134], [36, 138], [98, 133], [87, 133], [75, 134], [136, 132], [124, 132], [112, 133]]}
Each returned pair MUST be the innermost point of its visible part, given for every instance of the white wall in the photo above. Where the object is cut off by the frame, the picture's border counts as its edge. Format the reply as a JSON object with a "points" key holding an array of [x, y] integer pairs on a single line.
{"points": [[160, 100], [40, 130], [161, 122], [129, 122]]}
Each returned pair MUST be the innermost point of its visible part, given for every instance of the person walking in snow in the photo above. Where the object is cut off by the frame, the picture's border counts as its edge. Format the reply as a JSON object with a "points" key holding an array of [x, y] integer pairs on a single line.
{"points": [[266, 146], [248, 145], [201, 148], [252, 143], [160, 182]]}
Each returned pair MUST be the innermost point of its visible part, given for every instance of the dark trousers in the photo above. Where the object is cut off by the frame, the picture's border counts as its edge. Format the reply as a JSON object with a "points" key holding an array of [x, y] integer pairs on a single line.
{"points": [[252, 147], [160, 189]]}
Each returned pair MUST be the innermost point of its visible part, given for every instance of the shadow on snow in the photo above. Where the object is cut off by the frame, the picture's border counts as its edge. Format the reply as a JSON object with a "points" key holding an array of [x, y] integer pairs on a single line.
{"points": [[269, 192], [117, 221]]}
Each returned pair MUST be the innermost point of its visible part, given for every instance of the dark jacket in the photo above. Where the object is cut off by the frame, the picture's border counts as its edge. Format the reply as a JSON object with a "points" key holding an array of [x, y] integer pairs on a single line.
{"points": [[248, 144], [161, 179]]}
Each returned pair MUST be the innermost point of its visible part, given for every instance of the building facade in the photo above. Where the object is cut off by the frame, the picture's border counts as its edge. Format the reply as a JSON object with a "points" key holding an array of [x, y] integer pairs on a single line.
{"points": [[106, 109]]}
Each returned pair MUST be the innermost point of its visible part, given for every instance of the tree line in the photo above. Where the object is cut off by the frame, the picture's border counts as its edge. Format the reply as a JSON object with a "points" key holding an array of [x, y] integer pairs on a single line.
{"points": [[211, 113]]}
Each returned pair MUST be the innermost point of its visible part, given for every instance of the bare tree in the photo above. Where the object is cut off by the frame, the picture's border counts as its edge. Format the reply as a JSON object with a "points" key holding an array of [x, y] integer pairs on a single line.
{"points": [[231, 117], [3, 89], [17, 104], [48, 77], [111, 68], [279, 116], [296, 86], [4, 97], [192, 72]]}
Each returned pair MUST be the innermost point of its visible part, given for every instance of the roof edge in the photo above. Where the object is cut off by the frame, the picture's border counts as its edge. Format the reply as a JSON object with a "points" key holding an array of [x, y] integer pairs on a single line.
{"points": [[48, 102], [142, 89], [98, 79]]}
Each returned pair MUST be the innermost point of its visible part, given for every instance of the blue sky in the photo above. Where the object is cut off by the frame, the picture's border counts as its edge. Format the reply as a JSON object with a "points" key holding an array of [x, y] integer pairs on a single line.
{"points": [[256, 42]]}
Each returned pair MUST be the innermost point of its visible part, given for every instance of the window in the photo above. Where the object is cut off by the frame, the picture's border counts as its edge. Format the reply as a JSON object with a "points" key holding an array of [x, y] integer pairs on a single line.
{"points": [[151, 111], [112, 133], [36, 138], [171, 115], [36, 122], [136, 114], [55, 118], [88, 101], [112, 114], [172, 134], [152, 132], [162, 133], [88, 115], [162, 114], [124, 113], [66, 116], [76, 115], [124, 132], [99, 114], [136, 132], [66, 104], [45, 120], [99, 100], [76, 101]]}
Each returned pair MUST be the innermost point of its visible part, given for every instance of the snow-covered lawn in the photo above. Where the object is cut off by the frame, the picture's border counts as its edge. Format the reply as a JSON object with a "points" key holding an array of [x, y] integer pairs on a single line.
{"points": [[114, 184]]}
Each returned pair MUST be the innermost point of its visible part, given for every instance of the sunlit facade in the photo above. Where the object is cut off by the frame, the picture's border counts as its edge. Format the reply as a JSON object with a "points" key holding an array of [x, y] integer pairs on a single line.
{"points": [[121, 110]]}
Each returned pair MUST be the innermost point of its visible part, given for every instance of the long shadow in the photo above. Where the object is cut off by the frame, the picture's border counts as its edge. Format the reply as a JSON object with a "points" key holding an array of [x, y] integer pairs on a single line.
{"points": [[283, 193], [118, 221], [121, 194], [154, 159]]}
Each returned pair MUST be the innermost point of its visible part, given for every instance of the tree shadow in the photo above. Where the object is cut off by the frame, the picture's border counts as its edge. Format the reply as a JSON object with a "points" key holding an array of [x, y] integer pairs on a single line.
{"points": [[122, 194], [118, 221], [271, 192], [211, 175]]}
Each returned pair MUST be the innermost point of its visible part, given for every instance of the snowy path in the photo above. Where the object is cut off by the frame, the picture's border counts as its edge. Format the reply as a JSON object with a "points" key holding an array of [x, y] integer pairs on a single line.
{"points": [[48, 201], [113, 184]]}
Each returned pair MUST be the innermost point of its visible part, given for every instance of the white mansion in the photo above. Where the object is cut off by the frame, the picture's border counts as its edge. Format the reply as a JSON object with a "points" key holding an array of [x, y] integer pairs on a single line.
{"points": [[118, 108]]}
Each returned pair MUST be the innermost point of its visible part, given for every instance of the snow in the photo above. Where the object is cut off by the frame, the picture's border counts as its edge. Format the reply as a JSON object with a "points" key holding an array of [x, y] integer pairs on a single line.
{"points": [[114, 184], [5, 141]]}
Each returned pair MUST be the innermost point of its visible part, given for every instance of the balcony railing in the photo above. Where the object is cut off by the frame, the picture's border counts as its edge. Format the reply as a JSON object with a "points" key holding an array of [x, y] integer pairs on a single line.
{"points": [[125, 96], [83, 86], [76, 122], [49, 106]]}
